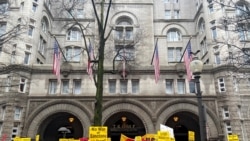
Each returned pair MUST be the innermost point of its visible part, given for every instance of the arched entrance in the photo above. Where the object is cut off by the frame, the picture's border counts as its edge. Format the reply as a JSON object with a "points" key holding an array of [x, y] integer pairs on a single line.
{"points": [[182, 122], [60, 125], [124, 123]]}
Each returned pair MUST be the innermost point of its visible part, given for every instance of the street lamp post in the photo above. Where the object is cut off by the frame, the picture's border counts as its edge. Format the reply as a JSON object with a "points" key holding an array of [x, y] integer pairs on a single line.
{"points": [[196, 67]]}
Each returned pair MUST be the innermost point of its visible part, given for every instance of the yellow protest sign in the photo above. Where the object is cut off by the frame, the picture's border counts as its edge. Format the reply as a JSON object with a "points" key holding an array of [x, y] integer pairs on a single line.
{"points": [[98, 133], [17, 139], [37, 137], [138, 138], [191, 135], [25, 139], [163, 136], [63, 139], [233, 137]]}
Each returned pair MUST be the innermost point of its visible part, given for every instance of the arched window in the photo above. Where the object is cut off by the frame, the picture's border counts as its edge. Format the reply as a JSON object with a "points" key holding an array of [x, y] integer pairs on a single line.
{"points": [[124, 29], [201, 26], [74, 34], [44, 25], [173, 35], [73, 53]]}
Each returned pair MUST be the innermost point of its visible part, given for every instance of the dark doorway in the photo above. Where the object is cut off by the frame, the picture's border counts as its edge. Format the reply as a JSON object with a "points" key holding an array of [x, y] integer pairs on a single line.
{"points": [[124, 123], [60, 125], [182, 122]]}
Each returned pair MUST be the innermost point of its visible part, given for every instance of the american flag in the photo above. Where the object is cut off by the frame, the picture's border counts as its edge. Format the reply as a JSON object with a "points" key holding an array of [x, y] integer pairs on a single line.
{"points": [[91, 58], [156, 63], [187, 60], [56, 61]]}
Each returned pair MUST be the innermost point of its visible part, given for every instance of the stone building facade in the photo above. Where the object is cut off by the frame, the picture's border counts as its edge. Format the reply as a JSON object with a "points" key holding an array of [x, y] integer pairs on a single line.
{"points": [[33, 103]]}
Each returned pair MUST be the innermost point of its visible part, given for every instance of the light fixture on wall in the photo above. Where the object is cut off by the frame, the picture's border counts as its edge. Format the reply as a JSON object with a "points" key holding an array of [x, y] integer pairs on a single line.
{"points": [[175, 118], [71, 119]]}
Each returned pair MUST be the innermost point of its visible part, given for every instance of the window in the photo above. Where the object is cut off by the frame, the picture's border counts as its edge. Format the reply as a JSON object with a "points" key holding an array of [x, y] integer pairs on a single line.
{"points": [[221, 84], [244, 31], [211, 8], [171, 55], [77, 86], [203, 46], [241, 9], [76, 13], [214, 32], [73, 54], [13, 55], [42, 45], [174, 54], [225, 112], [2, 112], [79, 13], [30, 31], [169, 86], [246, 56], [124, 30], [15, 130], [173, 35], [217, 58], [235, 84], [27, 55], [4, 7], [74, 34], [202, 26], [123, 86], [167, 14], [8, 84], [192, 88], [44, 25], [228, 128], [34, 7], [181, 86], [135, 86], [2, 28], [112, 86], [21, 6], [22, 85], [129, 52], [18, 113], [176, 14], [65, 87], [52, 86]]}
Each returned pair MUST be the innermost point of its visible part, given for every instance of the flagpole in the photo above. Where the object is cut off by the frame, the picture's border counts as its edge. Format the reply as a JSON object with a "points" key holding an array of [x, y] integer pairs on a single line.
{"points": [[154, 51], [185, 49], [59, 46]]}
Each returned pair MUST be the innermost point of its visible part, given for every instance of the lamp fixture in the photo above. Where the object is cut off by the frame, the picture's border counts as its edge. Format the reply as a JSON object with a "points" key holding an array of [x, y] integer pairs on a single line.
{"points": [[71, 119], [175, 118]]}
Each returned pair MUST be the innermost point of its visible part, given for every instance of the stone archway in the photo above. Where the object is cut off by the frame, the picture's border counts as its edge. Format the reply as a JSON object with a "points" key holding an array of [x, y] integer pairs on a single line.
{"points": [[177, 106], [125, 123], [182, 122], [60, 125], [42, 113]]}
